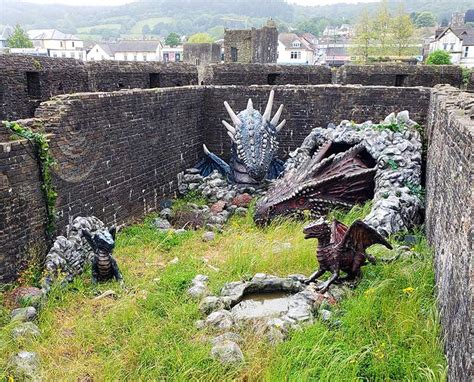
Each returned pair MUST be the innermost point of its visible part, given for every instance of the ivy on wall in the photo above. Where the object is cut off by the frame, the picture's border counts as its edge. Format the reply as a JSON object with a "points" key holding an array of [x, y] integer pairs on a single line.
{"points": [[46, 162]]}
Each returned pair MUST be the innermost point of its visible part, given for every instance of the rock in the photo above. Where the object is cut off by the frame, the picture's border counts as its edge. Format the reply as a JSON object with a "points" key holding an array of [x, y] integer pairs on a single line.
{"points": [[199, 287], [217, 219], [26, 366], [212, 303], [229, 336], [23, 314], [25, 295], [192, 171], [180, 231], [242, 200], [208, 236], [200, 324], [161, 224], [227, 353], [241, 211], [325, 314], [167, 213], [222, 319], [175, 260], [25, 331], [339, 292], [218, 207]]}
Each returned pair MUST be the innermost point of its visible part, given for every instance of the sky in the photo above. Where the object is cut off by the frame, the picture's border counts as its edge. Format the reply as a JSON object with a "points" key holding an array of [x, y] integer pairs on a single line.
{"points": [[120, 2]]}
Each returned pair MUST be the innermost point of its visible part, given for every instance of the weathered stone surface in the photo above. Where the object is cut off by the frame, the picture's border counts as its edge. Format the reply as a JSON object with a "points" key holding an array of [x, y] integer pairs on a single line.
{"points": [[208, 236], [22, 295], [24, 314], [227, 352], [222, 319], [218, 207], [161, 224], [25, 331], [449, 222], [199, 287], [229, 336], [26, 366], [242, 200]]}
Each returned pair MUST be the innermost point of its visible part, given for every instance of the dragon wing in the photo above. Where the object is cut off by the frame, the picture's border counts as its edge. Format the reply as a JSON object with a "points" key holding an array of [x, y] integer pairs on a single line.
{"points": [[360, 236], [338, 230]]}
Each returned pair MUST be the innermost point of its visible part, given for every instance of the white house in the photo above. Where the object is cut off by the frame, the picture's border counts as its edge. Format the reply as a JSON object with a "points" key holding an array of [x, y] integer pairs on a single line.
{"points": [[458, 42], [58, 44], [173, 54], [127, 50], [293, 49], [5, 35]]}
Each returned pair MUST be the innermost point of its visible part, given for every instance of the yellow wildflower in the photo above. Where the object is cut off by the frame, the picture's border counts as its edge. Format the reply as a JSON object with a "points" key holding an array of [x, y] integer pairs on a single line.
{"points": [[409, 290]]}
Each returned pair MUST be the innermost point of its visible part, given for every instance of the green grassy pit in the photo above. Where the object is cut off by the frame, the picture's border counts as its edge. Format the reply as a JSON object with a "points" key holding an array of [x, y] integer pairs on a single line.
{"points": [[388, 329]]}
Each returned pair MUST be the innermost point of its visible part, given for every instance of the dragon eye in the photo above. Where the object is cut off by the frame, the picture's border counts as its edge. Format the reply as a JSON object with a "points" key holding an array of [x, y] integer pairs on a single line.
{"points": [[301, 201]]}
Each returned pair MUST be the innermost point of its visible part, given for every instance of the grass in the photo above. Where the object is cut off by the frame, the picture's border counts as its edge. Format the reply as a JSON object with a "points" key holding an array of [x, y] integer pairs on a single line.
{"points": [[87, 30], [388, 329]]}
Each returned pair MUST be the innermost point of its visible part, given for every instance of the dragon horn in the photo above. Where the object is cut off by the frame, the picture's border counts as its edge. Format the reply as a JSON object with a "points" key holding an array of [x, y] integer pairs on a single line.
{"points": [[206, 150], [229, 127], [250, 105], [280, 126], [233, 116], [268, 109], [231, 137], [277, 115]]}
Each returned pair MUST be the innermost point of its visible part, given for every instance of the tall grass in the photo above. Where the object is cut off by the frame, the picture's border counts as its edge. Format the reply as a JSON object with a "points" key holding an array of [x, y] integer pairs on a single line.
{"points": [[387, 329]]}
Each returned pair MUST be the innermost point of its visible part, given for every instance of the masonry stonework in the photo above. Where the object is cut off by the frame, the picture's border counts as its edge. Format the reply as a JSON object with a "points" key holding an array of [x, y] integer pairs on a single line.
{"points": [[264, 74], [201, 54], [449, 221], [400, 75]]}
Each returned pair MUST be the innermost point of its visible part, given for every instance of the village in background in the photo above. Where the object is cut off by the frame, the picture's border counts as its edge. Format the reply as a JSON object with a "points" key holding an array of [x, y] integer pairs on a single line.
{"points": [[378, 33]]}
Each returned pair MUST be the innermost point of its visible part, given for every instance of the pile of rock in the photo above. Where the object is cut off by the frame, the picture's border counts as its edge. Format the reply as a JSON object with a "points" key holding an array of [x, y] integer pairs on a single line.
{"points": [[301, 306]]}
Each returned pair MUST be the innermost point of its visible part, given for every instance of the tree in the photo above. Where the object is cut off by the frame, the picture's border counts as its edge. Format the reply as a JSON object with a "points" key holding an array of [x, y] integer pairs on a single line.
{"points": [[146, 29], [425, 19], [173, 39], [382, 27], [363, 38], [439, 57], [200, 38], [402, 32], [19, 39]]}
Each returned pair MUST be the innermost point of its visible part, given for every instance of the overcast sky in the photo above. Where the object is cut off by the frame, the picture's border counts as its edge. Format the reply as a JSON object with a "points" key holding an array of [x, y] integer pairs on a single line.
{"points": [[119, 2]]}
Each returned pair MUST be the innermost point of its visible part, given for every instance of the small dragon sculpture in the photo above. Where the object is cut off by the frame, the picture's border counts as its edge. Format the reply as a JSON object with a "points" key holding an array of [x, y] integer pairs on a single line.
{"points": [[104, 266], [341, 249], [254, 146], [336, 176]]}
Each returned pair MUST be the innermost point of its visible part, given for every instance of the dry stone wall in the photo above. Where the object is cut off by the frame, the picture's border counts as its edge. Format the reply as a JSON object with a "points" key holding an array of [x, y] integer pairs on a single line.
{"points": [[449, 221]]}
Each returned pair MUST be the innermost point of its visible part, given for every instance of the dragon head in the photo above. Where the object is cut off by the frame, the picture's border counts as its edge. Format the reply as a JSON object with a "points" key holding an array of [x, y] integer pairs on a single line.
{"points": [[317, 229], [102, 241], [254, 136]]}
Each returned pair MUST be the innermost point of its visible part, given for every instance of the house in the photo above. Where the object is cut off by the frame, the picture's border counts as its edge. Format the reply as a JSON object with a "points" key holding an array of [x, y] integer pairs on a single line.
{"points": [[127, 50], [172, 54], [5, 35], [57, 43], [458, 42], [293, 49], [345, 30]]}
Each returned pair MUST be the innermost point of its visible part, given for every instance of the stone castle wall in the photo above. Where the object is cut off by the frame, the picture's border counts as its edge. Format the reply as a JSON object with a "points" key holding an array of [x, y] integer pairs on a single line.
{"points": [[201, 54], [118, 156], [26, 81], [307, 107], [449, 221], [119, 153], [400, 75], [264, 74]]}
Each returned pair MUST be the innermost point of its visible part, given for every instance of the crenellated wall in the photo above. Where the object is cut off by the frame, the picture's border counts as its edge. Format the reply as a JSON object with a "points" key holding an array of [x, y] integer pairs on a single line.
{"points": [[449, 221]]}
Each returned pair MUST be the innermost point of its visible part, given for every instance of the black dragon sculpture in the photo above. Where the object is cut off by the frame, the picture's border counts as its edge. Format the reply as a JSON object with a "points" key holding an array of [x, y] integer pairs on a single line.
{"points": [[254, 146]]}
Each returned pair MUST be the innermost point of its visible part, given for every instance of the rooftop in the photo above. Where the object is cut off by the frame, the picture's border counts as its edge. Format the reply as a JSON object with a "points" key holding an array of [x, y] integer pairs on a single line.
{"points": [[50, 34]]}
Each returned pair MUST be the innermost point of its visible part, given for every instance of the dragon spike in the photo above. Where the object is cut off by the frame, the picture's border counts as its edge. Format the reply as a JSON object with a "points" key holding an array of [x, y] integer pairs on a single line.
{"points": [[206, 150], [250, 105], [232, 115], [277, 115], [280, 126], [229, 127], [268, 109], [231, 136]]}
